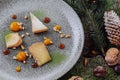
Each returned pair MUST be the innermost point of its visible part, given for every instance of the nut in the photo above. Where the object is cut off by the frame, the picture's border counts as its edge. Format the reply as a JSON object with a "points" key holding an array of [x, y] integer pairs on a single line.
{"points": [[24, 62], [25, 17], [14, 57], [68, 35], [75, 78], [14, 48], [23, 35], [62, 35], [20, 24], [30, 56], [28, 34], [22, 47], [112, 56]]}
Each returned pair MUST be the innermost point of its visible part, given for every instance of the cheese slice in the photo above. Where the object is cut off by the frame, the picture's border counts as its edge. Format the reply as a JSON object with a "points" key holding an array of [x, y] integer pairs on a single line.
{"points": [[40, 53], [13, 40], [37, 25]]}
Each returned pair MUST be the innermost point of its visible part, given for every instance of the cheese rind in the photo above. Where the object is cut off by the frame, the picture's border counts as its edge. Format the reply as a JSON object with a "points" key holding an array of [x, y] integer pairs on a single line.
{"points": [[37, 25], [40, 53]]}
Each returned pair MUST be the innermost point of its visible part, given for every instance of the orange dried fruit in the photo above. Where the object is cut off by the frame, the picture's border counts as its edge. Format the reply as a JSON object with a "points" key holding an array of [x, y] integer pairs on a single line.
{"points": [[18, 68], [14, 26], [21, 56], [57, 28], [47, 41]]}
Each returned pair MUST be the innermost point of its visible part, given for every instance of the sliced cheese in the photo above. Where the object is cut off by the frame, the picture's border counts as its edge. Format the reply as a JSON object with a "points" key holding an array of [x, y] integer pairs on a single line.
{"points": [[37, 25], [13, 40], [40, 53]]}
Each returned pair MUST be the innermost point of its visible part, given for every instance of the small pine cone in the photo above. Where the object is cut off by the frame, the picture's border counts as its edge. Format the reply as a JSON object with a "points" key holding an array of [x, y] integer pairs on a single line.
{"points": [[112, 26], [75, 78]]}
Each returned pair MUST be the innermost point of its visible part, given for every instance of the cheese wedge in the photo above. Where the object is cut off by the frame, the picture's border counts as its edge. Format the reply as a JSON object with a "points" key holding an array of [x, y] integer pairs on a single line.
{"points": [[13, 40], [37, 25], [40, 53]]}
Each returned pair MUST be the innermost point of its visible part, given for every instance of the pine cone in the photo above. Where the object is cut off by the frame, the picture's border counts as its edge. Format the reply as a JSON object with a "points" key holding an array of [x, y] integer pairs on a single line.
{"points": [[112, 26]]}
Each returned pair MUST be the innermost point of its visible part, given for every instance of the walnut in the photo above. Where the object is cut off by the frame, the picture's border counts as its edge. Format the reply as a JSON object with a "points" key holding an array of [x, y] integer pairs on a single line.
{"points": [[75, 78], [112, 56]]}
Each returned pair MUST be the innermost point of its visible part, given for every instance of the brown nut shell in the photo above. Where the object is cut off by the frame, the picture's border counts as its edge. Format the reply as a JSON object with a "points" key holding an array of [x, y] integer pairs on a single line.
{"points": [[112, 56]]}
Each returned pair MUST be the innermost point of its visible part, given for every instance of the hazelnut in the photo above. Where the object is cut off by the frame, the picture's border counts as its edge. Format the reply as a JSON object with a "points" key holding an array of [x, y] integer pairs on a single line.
{"points": [[112, 56]]}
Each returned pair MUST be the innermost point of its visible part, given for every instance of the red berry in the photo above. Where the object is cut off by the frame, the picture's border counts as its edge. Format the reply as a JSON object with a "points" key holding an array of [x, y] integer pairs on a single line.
{"points": [[14, 16], [6, 51], [61, 46], [34, 65], [46, 20]]}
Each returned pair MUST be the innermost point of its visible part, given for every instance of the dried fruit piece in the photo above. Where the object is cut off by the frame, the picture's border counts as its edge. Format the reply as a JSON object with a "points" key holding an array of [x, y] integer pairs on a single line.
{"points": [[57, 28], [14, 16], [99, 71], [61, 46], [6, 51], [18, 68], [15, 26], [46, 20], [21, 56], [34, 65], [47, 41]]}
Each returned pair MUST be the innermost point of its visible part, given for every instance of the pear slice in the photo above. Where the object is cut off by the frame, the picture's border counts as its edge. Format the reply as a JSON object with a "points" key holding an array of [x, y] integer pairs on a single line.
{"points": [[37, 25], [40, 53], [13, 40]]}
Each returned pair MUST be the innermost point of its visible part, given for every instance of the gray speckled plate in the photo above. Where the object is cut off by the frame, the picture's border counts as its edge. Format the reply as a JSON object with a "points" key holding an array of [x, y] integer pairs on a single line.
{"points": [[62, 60]]}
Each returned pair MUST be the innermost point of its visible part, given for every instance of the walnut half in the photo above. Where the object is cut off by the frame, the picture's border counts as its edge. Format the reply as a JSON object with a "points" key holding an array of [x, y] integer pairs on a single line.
{"points": [[112, 56], [75, 78]]}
